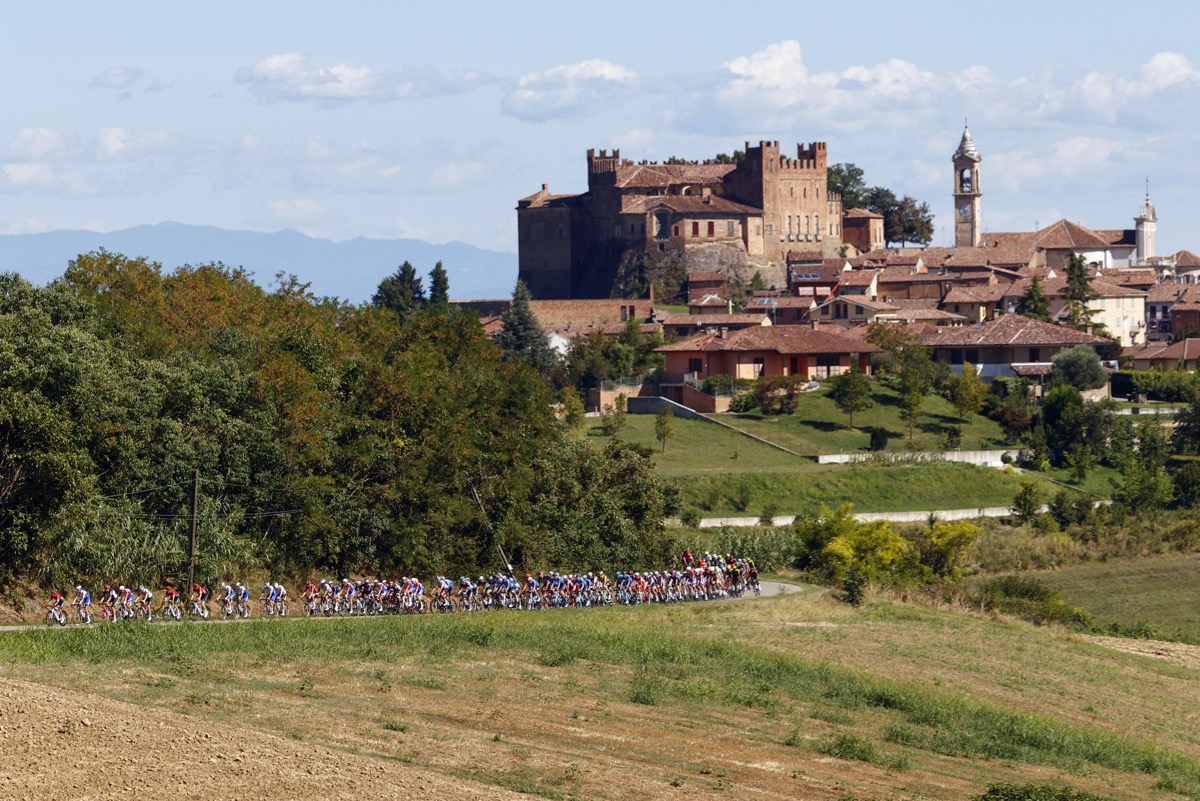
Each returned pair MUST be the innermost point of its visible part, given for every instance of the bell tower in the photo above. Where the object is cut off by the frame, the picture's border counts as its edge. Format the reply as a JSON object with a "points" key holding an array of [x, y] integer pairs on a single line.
{"points": [[967, 203], [1146, 226]]}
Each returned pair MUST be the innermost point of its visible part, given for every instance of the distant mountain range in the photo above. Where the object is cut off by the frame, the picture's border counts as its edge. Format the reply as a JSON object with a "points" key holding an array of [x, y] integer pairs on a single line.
{"points": [[350, 270]]}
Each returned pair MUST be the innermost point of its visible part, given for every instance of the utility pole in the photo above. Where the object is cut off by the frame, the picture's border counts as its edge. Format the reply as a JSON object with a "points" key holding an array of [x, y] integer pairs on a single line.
{"points": [[192, 539]]}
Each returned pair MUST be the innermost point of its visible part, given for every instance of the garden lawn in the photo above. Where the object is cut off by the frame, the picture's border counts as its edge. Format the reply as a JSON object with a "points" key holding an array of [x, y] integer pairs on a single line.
{"points": [[722, 473], [819, 427]]}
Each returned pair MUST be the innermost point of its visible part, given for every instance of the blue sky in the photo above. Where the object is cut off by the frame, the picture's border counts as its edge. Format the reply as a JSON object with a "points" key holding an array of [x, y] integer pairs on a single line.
{"points": [[430, 120]]}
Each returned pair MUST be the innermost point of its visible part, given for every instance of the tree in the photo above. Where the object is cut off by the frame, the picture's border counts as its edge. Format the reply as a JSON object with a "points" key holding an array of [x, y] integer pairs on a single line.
{"points": [[904, 353], [1080, 367], [573, 413], [439, 288], [910, 221], [847, 180], [1185, 439], [911, 402], [1027, 505], [1078, 294], [523, 337], [1143, 486], [967, 392], [1035, 303], [663, 425], [851, 391], [401, 292], [612, 416]]}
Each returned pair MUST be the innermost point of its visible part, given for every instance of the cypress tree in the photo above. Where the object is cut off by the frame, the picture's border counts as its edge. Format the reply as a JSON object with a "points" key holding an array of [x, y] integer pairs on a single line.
{"points": [[523, 337]]}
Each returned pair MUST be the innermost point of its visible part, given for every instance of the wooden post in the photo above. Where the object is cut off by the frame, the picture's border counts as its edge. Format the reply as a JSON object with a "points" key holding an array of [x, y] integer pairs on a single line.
{"points": [[192, 539]]}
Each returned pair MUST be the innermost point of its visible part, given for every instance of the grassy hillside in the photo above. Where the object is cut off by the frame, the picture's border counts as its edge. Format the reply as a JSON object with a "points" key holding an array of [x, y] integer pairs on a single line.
{"points": [[1161, 591], [725, 474], [818, 426], [795, 696]]}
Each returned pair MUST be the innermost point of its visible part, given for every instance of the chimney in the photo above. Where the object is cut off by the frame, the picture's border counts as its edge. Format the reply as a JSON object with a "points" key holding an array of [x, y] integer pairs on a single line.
{"points": [[545, 187], [730, 305], [651, 293], [724, 332]]}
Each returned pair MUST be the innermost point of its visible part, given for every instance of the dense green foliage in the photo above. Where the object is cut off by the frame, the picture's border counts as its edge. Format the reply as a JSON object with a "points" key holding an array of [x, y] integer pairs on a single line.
{"points": [[327, 436]]}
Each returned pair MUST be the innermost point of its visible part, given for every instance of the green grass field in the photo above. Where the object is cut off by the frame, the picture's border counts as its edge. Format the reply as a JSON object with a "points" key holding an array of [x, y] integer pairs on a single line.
{"points": [[724, 474], [818, 427], [795, 696], [1162, 591]]}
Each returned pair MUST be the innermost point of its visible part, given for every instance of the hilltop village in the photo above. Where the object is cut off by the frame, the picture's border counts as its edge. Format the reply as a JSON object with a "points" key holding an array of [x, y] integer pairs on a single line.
{"points": [[781, 280]]}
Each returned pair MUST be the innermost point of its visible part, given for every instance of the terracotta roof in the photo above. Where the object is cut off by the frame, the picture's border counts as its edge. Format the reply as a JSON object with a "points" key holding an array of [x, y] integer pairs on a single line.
{"points": [[828, 271], [915, 314], [914, 303], [685, 204], [1012, 329], [1033, 369], [782, 302], [700, 320], [778, 338], [706, 276], [912, 326], [859, 300], [1186, 350], [1167, 292], [1186, 258], [655, 176], [862, 214], [986, 293], [1054, 288], [812, 256], [544, 199], [857, 277], [709, 300]]}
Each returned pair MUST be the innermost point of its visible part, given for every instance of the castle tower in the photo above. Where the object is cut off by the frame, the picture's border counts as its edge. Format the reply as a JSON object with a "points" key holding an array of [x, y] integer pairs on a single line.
{"points": [[1147, 226], [967, 202]]}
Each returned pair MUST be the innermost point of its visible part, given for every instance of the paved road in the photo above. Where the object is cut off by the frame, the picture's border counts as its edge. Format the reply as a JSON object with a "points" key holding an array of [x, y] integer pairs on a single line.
{"points": [[768, 589]]}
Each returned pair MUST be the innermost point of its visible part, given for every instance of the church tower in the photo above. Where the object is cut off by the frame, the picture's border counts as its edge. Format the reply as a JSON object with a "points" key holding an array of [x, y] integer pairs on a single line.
{"points": [[967, 204], [1147, 227]]}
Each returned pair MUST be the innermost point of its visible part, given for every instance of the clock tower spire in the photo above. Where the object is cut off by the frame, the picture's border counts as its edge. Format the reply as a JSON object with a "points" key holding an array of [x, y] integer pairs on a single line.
{"points": [[967, 203]]}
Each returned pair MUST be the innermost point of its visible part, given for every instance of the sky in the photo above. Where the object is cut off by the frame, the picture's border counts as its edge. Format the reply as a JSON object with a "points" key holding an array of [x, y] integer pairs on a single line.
{"points": [[430, 120]]}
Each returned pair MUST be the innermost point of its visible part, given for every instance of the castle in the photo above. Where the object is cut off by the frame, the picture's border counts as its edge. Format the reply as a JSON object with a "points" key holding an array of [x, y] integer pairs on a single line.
{"points": [[746, 213]]}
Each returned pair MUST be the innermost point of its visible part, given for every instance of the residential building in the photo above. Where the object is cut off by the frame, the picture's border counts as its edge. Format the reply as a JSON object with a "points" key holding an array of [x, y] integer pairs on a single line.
{"points": [[797, 350], [1007, 346]]}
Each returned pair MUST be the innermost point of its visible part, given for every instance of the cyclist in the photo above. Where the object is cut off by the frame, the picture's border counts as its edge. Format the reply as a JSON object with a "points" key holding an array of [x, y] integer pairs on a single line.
{"points": [[243, 599], [171, 598], [56, 600], [108, 603], [267, 596], [226, 599], [281, 599], [145, 599], [83, 599], [125, 601]]}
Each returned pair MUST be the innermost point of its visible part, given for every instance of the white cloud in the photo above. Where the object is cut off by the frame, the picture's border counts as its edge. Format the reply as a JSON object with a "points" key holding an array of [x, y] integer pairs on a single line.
{"points": [[120, 144], [287, 77], [33, 144], [774, 89], [296, 212], [119, 78], [1107, 95], [568, 91]]}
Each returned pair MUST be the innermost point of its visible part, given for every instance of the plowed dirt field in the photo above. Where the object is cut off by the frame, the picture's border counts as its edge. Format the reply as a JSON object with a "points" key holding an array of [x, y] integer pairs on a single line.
{"points": [[63, 745]]}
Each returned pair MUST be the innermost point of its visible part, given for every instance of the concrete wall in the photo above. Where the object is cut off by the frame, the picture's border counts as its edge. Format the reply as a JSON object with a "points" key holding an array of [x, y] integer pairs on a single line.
{"points": [[984, 458], [653, 405]]}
